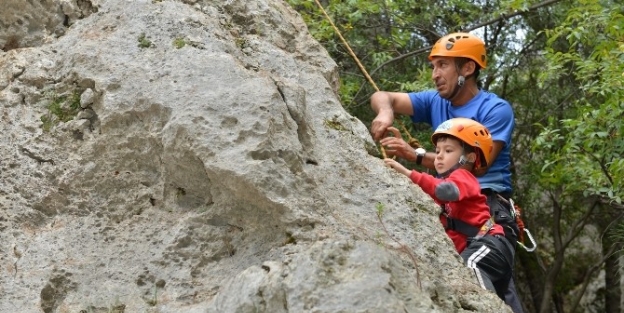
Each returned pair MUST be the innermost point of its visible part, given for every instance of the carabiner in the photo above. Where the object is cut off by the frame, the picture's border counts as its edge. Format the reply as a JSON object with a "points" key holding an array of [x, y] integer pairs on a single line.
{"points": [[529, 249]]}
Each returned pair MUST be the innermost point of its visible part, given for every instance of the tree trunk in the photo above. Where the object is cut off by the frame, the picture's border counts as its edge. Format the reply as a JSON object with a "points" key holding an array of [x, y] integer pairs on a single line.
{"points": [[532, 277], [613, 291], [549, 296]]}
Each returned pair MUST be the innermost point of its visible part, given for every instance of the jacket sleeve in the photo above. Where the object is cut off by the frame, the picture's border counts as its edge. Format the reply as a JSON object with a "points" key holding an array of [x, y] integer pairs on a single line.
{"points": [[466, 183], [427, 182]]}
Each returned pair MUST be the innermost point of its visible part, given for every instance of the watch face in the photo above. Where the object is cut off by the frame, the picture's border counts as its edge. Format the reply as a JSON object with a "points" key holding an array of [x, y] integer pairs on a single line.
{"points": [[421, 151]]}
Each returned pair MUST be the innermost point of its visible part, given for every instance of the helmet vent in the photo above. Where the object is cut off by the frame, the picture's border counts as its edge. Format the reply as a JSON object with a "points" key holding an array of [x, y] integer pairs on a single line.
{"points": [[460, 45]]}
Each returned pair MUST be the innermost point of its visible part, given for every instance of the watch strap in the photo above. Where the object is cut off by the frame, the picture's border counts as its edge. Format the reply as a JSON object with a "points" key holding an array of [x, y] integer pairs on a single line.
{"points": [[419, 158]]}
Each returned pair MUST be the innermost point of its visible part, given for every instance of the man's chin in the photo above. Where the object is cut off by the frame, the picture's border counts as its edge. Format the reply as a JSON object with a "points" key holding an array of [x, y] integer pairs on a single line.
{"points": [[444, 95], [442, 92]]}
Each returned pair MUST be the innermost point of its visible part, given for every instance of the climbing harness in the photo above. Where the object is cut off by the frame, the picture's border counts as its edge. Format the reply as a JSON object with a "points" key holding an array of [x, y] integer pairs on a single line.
{"points": [[470, 231], [478, 232]]}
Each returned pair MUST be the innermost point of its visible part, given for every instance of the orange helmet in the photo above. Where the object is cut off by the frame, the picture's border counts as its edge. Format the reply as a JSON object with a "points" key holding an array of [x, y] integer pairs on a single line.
{"points": [[470, 132], [460, 45]]}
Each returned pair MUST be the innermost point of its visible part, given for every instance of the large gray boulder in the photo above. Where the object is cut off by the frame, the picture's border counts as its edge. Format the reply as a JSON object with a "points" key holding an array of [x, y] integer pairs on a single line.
{"points": [[193, 156]]}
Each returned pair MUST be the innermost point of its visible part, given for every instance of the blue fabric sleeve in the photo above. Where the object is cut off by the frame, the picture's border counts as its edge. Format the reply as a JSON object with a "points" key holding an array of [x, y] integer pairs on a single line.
{"points": [[499, 120], [421, 103]]}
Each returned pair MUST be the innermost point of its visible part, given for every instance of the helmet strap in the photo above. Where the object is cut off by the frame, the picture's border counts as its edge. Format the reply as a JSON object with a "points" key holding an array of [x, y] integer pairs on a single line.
{"points": [[450, 170], [463, 160], [461, 81]]}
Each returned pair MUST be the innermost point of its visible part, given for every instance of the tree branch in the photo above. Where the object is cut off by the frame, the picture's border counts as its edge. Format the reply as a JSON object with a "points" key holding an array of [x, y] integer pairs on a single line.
{"points": [[588, 276], [498, 19], [606, 201], [578, 225]]}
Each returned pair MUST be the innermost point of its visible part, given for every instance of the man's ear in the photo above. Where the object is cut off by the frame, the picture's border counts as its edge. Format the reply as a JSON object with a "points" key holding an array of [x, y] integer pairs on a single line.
{"points": [[468, 68]]}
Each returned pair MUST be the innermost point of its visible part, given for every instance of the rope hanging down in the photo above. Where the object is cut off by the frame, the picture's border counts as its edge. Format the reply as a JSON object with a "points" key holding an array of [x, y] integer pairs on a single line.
{"points": [[411, 140]]}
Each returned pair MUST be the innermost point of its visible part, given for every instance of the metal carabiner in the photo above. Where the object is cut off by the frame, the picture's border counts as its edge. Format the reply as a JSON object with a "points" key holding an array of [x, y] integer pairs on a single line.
{"points": [[529, 249], [512, 208]]}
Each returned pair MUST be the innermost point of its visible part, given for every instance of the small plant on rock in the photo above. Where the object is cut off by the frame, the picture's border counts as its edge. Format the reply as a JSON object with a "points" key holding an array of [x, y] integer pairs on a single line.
{"points": [[380, 208], [143, 41], [61, 109], [179, 43]]}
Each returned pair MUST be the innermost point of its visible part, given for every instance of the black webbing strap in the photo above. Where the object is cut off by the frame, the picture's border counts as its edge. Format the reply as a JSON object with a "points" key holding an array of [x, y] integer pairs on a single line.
{"points": [[461, 226], [467, 229]]}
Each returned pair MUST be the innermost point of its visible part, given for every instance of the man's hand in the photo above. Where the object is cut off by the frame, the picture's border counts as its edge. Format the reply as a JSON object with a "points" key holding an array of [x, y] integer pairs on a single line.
{"points": [[386, 105], [396, 146], [380, 124]]}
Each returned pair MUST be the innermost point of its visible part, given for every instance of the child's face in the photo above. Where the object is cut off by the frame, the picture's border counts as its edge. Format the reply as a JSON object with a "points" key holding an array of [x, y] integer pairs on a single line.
{"points": [[448, 152]]}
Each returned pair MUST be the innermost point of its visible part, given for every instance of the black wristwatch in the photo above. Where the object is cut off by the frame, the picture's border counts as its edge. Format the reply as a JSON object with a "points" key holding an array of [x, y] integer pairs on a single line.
{"points": [[420, 154]]}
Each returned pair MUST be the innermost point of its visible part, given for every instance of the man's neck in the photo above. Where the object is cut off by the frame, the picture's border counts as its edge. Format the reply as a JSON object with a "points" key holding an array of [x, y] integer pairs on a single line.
{"points": [[465, 95]]}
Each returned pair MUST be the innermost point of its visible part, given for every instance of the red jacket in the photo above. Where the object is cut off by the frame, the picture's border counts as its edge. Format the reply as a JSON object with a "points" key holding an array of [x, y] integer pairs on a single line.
{"points": [[471, 207]]}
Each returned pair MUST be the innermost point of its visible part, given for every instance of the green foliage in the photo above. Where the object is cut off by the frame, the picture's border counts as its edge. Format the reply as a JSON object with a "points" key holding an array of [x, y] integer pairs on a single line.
{"points": [[334, 123], [585, 151], [179, 43], [144, 42], [377, 31], [242, 42], [60, 109], [576, 158], [153, 300], [380, 31], [380, 209]]}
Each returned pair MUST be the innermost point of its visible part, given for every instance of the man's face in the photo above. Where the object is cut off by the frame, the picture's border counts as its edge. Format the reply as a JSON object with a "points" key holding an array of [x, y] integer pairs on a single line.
{"points": [[444, 75]]}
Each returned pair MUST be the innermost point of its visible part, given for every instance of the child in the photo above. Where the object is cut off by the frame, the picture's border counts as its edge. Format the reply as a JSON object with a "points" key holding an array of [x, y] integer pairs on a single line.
{"points": [[463, 146]]}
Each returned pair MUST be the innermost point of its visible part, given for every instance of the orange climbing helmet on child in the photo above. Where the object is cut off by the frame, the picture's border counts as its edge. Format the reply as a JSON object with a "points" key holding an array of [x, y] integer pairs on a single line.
{"points": [[471, 133]]}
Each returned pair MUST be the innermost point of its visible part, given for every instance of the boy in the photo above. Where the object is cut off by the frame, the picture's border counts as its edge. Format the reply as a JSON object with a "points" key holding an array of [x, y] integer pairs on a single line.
{"points": [[464, 146]]}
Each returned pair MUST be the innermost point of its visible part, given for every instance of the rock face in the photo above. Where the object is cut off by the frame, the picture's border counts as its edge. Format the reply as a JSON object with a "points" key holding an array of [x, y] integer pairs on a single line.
{"points": [[192, 156]]}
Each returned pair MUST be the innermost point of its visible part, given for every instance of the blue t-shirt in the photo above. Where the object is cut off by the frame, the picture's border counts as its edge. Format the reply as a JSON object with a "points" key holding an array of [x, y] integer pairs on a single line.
{"points": [[486, 108]]}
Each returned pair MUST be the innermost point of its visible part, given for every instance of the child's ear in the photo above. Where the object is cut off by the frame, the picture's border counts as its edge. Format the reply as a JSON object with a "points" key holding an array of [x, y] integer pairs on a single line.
{"points": [[472, 157]]}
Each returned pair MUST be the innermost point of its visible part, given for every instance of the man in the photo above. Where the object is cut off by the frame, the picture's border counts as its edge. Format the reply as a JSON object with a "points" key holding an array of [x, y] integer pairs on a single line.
{"points": [[457, 60]]}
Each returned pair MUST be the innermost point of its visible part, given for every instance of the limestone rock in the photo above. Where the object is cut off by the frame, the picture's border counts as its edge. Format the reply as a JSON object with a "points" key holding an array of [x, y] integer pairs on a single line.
{"points": [[192, 156]]}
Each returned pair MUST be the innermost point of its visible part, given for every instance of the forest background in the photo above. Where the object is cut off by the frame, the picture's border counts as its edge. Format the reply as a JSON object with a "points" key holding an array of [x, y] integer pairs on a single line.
{"points": [[561, 66]]}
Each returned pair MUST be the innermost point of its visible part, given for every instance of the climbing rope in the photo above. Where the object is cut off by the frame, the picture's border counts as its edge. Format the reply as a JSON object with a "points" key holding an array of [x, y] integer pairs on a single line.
{"points": [[413, 142]]}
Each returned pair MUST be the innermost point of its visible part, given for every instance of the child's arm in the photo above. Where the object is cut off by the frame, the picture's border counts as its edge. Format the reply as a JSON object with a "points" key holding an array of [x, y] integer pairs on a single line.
{"points": [[397, 166], [440, 190], [453, 188], [447, 191], [427, 182]]}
